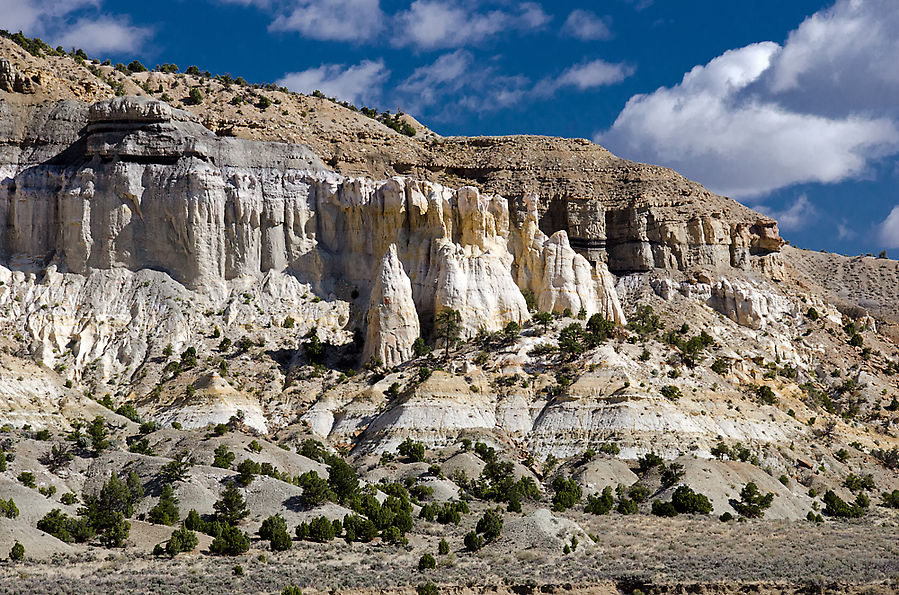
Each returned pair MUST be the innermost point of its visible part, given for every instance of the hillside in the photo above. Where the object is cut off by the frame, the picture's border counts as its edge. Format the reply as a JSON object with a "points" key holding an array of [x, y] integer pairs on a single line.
{"points": [[585, 374]]}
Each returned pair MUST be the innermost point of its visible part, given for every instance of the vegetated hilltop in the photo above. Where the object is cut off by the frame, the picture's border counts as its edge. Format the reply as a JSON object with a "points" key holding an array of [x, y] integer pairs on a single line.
{"points": [[249, 336]]}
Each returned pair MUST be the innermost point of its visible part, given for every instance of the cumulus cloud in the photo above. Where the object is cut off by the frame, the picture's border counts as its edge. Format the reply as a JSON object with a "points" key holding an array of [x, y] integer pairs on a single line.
{"points": [[62, 22], [586, 26], [437, 24], [332, 20], [358, 83], [888, 231], [739, 125], [104, 34], [798, 215]]}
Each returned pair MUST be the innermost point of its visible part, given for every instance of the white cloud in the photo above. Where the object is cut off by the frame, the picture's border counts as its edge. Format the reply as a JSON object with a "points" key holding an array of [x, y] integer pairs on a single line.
{"points": [[596, 73], [53, 21], [798, 215], [357, 84], [334, 20], [845, 58], [728, 125], [888, 231], [105, 34], [436, 24], [587, 26], [457, 83]]}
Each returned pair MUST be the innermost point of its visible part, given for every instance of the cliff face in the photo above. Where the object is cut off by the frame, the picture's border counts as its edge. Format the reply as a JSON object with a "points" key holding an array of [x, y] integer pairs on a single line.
{"points": [[147, 187]]}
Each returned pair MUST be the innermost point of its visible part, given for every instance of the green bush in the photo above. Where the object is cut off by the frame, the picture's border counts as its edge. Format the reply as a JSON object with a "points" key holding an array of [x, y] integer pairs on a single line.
{"points": [[413, 451], [671, 392], [427, 588], [427, 562], [626, 506], [664, 509], [836, 507], [890, 499], [321, 530], [567, 493], [231, 542], [752, 503], [601, 504], [8, 508], [166, 510], [315, 490], [271, 525], [130, 412], [17, 553], [648, 461], [686, 501], [443, 548], [194, 97], [231, 507], [223, 457], [473, 541], [26, 478], [292, 590], [182, 540], [857, 483], [491, 525]]}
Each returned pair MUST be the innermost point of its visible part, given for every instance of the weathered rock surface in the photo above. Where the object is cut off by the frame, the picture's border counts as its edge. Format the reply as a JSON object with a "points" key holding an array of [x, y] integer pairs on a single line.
{"points": [[392, 319]]}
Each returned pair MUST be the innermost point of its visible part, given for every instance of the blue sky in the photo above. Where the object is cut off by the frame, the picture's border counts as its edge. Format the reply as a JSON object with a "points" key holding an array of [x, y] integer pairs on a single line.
{"points": [[790, 107]]}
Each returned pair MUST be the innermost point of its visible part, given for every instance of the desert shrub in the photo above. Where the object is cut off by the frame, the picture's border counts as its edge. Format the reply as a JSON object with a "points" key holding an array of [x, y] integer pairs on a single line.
{"points": [[638, 492], [644, 321], [473, 541], [567, 493], [17, 553], [599, 329], [451, 512], [231, 507], [271, 525], [664, 509], [857, 483], [686, 501], [765, 395], [166, 510], [359, 528], [648, 461], [427, 588], [182, 540], [626, 506], [176, 469], [491, 525], [752, 503], [726, 517], [321, 530], [836, 507], [888, 458], [342, 479], [26, 478], [130, 412], [427, 562], [223, 457], [671, 474], [890, 499], [107, 510], [413, 451], [443, 548], [671, 392], [291, 590], [194, 97], [601, 504], [231, 542], [721, 366], [571, 340]]}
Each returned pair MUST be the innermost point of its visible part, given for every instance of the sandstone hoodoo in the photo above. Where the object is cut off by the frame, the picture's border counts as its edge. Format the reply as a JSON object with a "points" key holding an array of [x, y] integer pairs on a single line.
{"points": [[237, 323]]}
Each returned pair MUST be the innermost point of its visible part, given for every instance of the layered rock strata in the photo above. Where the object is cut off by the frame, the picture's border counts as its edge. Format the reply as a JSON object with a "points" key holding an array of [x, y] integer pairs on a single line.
{"points": [[147, 187]]}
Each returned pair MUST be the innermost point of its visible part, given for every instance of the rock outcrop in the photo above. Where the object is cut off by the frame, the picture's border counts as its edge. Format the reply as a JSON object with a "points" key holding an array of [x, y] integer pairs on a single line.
{"points": [[392, 320], [148, 187], [13, 81]]}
